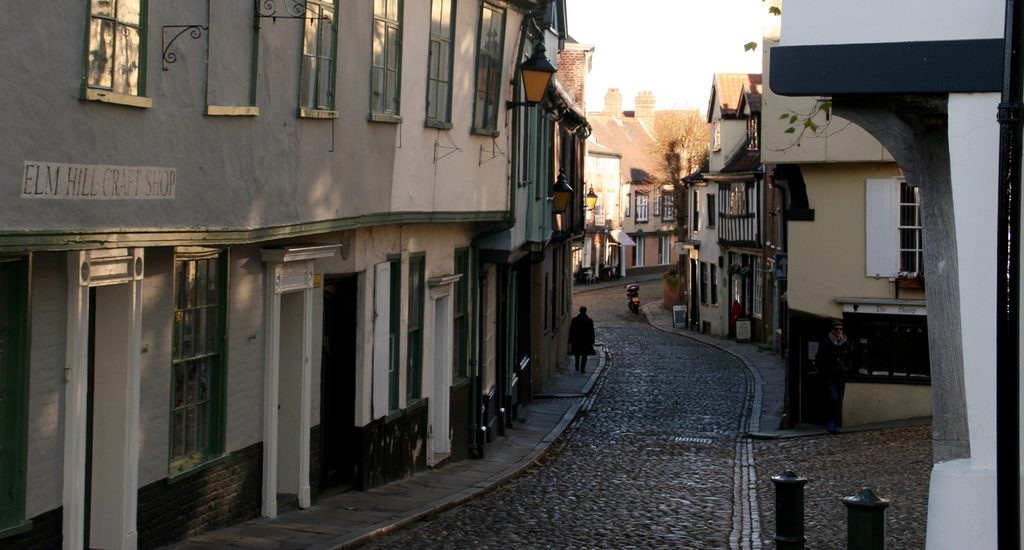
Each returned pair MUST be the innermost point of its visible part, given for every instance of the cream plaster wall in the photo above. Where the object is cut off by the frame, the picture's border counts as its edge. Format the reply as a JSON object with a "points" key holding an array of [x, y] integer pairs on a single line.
{"points": [[836, 140], [827, 256], [872, 403]]}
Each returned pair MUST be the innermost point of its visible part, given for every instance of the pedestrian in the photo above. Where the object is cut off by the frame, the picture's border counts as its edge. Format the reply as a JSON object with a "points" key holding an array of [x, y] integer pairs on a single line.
{"points": [[833, 362], [581, 339]]}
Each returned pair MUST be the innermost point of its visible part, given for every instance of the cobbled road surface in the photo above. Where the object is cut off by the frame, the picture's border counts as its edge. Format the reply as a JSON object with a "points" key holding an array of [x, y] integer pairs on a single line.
{"points": [[657, 461], [650, 464]]}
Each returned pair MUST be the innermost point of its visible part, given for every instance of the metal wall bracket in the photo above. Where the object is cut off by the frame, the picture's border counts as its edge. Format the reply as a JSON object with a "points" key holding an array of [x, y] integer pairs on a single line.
{"points": [[195, 32], [493, 153], [451, 148], [290, 9]]}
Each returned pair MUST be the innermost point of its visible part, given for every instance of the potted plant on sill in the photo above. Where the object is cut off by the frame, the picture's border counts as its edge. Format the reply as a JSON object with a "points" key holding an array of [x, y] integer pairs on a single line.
{"points": [[910, 279]]}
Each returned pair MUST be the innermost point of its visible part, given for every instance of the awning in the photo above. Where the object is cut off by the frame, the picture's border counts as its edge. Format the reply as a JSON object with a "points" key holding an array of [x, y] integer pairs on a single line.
{"points": [[621, 237]]}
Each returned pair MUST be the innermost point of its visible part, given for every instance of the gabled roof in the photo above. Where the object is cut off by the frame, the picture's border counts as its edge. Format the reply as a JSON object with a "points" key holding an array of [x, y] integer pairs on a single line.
{"points": [[730, 91], [626, 136]]}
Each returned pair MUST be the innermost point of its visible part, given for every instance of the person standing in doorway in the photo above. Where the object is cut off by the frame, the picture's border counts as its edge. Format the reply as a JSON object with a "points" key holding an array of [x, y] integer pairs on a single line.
{"points": [[581, 339], [833, 362]]}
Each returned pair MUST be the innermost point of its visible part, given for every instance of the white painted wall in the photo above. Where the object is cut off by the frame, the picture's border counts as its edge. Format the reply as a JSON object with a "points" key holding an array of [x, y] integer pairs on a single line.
{"points": [[46, 384], [811, 22]]}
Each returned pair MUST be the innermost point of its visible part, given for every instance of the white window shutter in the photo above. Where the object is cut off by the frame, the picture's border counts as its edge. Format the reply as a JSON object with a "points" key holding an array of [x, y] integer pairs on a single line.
{"points": [[882, 227], [381, 338]]}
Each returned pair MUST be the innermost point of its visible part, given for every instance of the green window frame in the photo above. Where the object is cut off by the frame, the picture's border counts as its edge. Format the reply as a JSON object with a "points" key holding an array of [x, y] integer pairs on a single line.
{"points": [[414, 329], [14, 386], [460, 312], [318, 69], [440, 63], [386, 61], [395, 305], [198, 365], [114, 64], [490, 46]]}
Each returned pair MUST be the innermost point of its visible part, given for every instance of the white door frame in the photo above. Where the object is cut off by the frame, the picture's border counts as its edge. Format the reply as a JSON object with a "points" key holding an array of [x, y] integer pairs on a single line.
{"points": [[440, 331], [94, 268], [289, 269]]}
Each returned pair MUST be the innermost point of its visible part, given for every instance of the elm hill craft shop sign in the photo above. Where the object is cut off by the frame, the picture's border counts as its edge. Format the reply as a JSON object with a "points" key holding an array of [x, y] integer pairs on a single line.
{"points": [[51, 180]]}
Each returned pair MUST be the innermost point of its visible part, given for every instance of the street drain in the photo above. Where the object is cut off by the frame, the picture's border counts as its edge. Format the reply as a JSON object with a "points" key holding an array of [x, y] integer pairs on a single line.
{"points": [[683, 439]]}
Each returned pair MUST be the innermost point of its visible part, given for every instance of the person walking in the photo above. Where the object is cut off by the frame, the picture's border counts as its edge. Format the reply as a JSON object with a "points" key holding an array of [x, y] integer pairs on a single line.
{"points": [[581, 339], [833, 362]]}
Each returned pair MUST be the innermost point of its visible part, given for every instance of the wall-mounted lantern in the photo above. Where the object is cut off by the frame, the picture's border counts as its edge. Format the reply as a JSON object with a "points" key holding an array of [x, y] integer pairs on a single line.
{"points": [[561, 193], [535, 73], [591, 200]]}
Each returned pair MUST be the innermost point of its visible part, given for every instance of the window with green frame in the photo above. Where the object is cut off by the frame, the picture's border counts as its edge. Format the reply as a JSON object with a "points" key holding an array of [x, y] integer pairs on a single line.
{"points": [[414, 355], [393, 336], [489, 47], [319, 47], [386, 61], [115, 57], [460, 337], [197, 353], [439, 66], [13, 391]]}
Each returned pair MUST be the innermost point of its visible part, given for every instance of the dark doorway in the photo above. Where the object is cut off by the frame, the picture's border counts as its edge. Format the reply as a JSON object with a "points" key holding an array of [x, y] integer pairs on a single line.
{"points": [[338, 383]]}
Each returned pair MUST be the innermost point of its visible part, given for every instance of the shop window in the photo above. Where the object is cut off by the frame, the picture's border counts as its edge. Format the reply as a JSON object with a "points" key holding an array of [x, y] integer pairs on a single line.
{"points": [[414, 330], [890, 347], [14, 324]]}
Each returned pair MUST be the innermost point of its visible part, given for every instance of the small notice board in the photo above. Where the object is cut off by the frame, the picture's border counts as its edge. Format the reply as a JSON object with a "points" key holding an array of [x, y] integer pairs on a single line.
{"points": [[743, 329], [678, 316]]}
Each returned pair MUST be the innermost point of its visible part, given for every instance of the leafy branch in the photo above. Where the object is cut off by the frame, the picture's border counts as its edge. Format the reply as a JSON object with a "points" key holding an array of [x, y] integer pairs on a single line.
{"points": [[772, 10]]}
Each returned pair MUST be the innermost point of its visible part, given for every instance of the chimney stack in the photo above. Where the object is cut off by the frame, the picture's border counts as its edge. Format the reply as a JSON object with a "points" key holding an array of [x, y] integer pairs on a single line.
{"points": [[574, 63], [613, 102], [645, 107]]}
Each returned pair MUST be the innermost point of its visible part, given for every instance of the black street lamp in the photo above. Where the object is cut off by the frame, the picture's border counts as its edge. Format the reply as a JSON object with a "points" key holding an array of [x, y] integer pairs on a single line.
{"points": [[591, 199], [535, 73], [562, 191]]}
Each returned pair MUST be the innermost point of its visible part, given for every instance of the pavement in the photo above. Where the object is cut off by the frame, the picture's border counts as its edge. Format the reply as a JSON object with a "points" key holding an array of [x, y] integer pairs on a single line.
{"points": [[352, 518]]}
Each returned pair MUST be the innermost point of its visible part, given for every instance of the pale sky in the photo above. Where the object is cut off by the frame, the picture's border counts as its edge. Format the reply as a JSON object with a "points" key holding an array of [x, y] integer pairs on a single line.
{"points": [[670, 47]]}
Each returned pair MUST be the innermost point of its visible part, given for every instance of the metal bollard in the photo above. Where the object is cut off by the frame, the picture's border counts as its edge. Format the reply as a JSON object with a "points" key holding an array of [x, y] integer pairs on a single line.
{"points": [[865, 518], [789, 511]]}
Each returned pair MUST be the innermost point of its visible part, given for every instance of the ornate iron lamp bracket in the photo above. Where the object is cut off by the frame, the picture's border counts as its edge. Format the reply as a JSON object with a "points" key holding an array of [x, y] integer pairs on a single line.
{"points": [[195, 32], [290, 9]]}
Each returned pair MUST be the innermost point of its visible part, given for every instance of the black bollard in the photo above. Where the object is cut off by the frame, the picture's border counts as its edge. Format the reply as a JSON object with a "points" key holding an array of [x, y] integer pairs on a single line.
{"points": [[789, 511], [865, 521]]}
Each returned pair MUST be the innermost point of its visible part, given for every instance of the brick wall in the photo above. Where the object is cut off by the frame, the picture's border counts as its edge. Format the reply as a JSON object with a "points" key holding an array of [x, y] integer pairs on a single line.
{"points": [[572, 73], [45, 533], [225, 493]]}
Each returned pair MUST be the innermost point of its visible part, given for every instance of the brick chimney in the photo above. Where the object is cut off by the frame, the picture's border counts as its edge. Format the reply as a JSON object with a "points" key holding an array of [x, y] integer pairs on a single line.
{"points": [[613, 102], [574, 62], [645, 108]]}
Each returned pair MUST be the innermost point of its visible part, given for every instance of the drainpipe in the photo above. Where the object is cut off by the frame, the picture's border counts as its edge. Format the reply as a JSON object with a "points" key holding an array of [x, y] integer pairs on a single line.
{"points": [[1008, 287]]}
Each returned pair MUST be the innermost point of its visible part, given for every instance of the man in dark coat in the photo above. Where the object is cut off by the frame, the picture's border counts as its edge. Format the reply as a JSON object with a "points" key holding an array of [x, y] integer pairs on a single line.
{"points": [[833, 362], [581, 339]]}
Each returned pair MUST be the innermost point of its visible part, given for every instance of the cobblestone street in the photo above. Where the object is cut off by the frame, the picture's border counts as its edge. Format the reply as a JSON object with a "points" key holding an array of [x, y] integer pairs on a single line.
{"points": [[657, 460], [650, 465]]}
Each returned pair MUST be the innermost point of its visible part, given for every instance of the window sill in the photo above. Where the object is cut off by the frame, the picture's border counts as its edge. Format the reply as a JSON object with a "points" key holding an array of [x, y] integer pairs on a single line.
{"points": [[440, 125], [232, 110], [104, 96], [183, 474], [16, 529], [415, 404], [484, 132], [305, 112], [385, 118]]}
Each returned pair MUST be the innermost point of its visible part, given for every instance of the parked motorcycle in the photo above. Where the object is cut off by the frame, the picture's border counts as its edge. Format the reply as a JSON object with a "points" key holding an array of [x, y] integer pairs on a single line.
{"points": [[633, 297]]}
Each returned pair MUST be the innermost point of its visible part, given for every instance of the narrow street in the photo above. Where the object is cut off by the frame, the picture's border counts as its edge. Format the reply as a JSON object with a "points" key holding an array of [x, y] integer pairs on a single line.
{"points": [[650, 464]]}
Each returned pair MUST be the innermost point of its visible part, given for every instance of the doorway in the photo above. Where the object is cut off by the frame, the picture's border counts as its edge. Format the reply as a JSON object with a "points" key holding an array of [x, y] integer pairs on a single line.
{"points": [[337, 383], [101, 398]]}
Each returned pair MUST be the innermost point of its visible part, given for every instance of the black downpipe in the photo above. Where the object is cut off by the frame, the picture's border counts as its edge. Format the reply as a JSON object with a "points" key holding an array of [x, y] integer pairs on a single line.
{"points": [[1008, 288]]}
